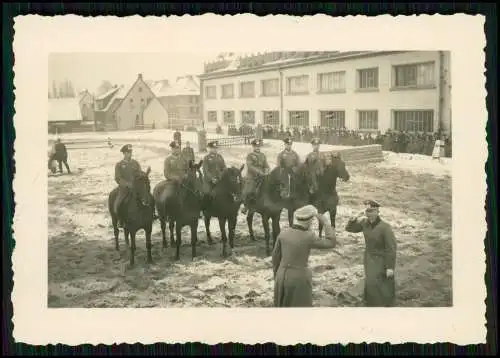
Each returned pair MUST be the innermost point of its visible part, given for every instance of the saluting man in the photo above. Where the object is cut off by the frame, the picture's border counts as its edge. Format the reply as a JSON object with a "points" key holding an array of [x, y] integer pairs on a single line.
{"points": [[174, 167], [380, 255], [288, 160], [257, 167], [213, 166], [125, 172], [315, 165]]}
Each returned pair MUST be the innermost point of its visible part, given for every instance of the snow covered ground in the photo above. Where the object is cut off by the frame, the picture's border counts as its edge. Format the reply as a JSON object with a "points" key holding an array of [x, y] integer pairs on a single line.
{"points": [[86, 271]]}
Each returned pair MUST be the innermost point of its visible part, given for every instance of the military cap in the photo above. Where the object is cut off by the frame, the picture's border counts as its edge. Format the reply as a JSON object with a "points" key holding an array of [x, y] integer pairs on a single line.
{"points": [[174, 144], [371, 204], [256, 142], [212, 144], [126, 148], [287, 140], [315, 141], [305, 213]]}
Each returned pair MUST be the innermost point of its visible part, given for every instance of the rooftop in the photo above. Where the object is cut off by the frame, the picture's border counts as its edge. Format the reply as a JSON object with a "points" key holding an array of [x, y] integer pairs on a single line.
{"points": [[64, 110]]}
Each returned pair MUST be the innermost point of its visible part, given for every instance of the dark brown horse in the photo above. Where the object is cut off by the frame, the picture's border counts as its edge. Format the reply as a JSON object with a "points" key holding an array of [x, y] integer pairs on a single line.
{"points": [[180, 208], [137, 210], [326, 198], [224, 205], [294, 190], [269, 204]]}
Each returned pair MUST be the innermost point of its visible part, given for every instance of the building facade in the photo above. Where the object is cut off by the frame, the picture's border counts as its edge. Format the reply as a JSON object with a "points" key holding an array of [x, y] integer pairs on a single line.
{"points": [[366, 91], [155, 115]]}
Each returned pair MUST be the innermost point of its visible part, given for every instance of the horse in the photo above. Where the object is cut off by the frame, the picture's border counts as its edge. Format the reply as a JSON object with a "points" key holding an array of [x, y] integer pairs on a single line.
{"points": [[269, 204], [137, 210], [224, 205], [294, 190], [181, 209], [326, 198]]}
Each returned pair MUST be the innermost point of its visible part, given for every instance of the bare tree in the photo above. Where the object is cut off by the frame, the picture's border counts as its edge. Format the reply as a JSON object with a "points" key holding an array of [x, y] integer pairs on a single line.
{"points": [[104, 87]]}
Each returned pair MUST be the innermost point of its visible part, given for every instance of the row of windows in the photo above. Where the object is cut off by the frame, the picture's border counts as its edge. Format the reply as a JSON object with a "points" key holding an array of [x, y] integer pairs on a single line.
{"points": [[403, 76], [404, 120]]}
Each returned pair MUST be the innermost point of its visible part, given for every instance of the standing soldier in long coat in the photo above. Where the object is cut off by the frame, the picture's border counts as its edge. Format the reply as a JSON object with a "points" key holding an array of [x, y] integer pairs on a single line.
{"points": [[188, 152], [213, 166], [292, 276], [177, 137], [288, 160], [125, 172], [257, 168], [379, 258], [315, 166], [61, 155], [174, 169]]}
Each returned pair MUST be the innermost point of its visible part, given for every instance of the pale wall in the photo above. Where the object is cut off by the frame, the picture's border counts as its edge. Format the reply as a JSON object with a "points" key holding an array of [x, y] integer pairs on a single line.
{"points": [[126, 114], [155, 113], [384, 100]]}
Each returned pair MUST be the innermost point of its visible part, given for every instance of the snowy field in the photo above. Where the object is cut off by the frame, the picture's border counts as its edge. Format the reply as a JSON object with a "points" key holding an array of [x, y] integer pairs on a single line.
{"points": [[86, 271]]}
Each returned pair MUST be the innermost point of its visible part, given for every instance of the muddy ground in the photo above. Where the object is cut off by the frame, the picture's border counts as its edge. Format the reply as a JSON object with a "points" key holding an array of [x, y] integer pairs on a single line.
{"points": [[85, 270]]}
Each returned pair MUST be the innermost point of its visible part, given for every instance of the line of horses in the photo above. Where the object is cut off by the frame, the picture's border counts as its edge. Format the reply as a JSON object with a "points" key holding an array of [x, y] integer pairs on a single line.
{"points": [[182, 207]]}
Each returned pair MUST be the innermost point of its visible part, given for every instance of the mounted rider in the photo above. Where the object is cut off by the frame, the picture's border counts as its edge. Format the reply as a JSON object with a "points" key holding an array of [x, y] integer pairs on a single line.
{"points": [[315, 165], [213, 166], [257, 168], [175, 168], [125, 172], [188, 152], [288, 160]]}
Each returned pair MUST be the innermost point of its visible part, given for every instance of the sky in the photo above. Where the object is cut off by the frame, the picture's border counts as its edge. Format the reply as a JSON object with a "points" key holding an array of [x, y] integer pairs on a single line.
{"points": [[88, 70]]}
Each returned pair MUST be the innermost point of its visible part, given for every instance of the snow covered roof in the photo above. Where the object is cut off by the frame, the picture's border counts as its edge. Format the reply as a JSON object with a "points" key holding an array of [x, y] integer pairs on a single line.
{"points": [[64, 110], [107, 93], [181, 86]]}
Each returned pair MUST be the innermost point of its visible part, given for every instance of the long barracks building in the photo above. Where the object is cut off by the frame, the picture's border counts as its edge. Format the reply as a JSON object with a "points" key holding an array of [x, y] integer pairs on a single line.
{"points": [[364, 90]]}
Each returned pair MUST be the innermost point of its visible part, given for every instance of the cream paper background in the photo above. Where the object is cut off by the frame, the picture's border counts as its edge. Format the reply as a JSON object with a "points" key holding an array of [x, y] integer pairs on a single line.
{"points": [[36, 37]]}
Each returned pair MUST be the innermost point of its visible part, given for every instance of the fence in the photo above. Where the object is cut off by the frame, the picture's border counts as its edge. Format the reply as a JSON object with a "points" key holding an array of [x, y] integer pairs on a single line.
{"points": [[233, 141]]}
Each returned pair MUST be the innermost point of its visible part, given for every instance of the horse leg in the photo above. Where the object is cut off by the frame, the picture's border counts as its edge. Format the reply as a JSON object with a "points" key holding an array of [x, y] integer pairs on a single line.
{"points": [[126, 233], [276, 228], [232, 229], [250, 224], [116, 232], [207, 229], [194, 237], [163, 226], [265, 225], [148, 231], [132, 248], [178, 240], [333, 216], [222, 226], [171, 225], [290, 216], [320, 228]]}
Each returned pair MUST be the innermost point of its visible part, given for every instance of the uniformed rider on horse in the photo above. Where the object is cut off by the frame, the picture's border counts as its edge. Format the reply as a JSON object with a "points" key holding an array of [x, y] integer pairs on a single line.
{"points": [[213, 166], [288, 160], [257, 168], [315, 165], [174, 168], [125, 172]]}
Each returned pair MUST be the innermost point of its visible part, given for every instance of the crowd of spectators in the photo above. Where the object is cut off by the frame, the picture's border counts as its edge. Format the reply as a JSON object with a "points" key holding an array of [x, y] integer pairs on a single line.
{"points": [[394, 141]]}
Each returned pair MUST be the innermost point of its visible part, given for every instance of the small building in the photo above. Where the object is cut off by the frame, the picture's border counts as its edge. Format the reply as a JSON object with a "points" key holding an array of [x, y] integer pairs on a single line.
{"points": [[104, 109], [86, 101], [181, 100], [155, 115], [65, 115], [367, 91]]}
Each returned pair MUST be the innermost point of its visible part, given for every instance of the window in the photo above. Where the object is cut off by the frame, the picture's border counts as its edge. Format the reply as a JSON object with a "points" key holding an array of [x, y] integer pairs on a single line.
{"points": [[228, 117], [227, 91], [248, 117], [140, 89], [331, 82], [210, 92], [414, 76], [212, 116], [368, 78], [332, 119], [298, 118], [270, 87], [298, 85], [368, 120], [414, 121], [271, 118], [247, 89]]}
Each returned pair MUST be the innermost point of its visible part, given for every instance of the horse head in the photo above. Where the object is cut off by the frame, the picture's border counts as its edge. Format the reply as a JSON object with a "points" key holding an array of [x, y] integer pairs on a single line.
{"points": [[142, 187], [334, 163], [194, 177], [232, 181]]}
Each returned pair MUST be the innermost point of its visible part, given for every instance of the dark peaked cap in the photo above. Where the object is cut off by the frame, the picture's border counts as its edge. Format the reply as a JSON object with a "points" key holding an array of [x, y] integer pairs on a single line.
{"points": [[174, 144], [371, 203], [126, 148], [212, 144]]}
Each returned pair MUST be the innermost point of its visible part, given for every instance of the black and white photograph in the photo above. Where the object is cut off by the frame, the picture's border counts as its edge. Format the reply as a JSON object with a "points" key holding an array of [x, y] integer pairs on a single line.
{"points": [[250, 177]]}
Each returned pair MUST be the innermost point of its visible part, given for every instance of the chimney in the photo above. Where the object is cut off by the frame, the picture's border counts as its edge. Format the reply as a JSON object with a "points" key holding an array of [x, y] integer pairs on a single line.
{"points": [[139, 76]]}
